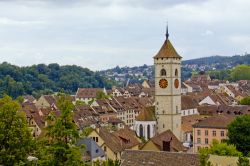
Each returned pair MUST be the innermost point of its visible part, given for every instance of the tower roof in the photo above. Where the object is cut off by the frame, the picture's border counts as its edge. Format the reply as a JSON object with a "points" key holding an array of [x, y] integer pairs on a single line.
{"points": [[167, 51]]}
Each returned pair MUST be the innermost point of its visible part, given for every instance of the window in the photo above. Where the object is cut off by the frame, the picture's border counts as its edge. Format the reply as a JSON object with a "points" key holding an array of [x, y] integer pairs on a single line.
{"points": [[166, 146], [198, 140], [214, 133], [141, 130], [105, 148], [198, 132], [96, 151], [148, 132], [96, 139], [163, 125], [163, 72], [176, 109], [176, 72], [198, 148], [206, 140], [206, 132], [222, 133]]}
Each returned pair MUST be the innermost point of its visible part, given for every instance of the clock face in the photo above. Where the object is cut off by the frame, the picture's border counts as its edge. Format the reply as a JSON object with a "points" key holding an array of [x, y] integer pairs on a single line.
{"points": [[163, 83], [176, 83]]}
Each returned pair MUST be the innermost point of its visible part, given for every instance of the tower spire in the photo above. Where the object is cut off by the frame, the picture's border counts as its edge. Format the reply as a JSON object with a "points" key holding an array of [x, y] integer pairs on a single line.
{"points": [[167, 35]]}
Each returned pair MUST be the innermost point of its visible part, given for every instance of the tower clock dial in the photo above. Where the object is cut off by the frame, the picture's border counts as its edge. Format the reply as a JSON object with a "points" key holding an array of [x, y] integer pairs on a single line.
{"points": [[176, 83], [163, 83]]}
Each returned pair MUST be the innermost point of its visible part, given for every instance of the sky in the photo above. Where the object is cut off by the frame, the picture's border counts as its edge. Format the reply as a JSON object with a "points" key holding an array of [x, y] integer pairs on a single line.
{"points": [[101, 34]]}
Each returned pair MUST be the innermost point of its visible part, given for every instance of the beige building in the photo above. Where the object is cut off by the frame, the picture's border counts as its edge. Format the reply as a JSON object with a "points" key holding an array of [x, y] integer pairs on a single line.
{"points": [[209, 129], [46, 101], [113, 144], [168, 89]]}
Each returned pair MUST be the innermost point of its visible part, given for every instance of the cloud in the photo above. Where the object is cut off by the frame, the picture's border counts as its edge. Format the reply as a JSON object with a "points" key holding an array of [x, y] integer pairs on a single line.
{"points": [[207, 33], [104, 33], [10, 22]]}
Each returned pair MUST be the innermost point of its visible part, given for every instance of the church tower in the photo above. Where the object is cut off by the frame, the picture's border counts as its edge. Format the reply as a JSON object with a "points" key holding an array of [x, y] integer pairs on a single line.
{"points": [[167, 63]]}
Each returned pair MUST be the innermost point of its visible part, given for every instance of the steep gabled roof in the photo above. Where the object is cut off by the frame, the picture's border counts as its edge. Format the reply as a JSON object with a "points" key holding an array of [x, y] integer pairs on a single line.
{"points": [[168, 135], [167, 51], [50, 99], [119, 140], [146, 114]]}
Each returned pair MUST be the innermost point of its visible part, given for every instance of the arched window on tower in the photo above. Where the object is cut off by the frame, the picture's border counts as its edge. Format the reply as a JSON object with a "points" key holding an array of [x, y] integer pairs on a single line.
{"points": [[141, 130], [163, 72], [176, 72], [148, 131]]}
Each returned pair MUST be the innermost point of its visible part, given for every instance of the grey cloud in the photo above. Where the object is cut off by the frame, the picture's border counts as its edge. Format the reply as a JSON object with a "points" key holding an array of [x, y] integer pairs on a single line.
{"points": [[121, 32]]}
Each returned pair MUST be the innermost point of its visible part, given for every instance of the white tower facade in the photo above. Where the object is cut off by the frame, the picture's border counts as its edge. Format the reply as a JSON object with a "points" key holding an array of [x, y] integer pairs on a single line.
{"points": [[168, 89]]}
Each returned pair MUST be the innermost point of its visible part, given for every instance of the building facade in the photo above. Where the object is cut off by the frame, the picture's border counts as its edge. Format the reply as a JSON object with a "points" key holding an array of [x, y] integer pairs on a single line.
{"points": [[209, 129], [168, 89]]}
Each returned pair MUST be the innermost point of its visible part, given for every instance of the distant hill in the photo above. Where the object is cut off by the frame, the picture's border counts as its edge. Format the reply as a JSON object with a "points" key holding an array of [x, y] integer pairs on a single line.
{"points": [[219, 62], [45, 79], [140, 73]]}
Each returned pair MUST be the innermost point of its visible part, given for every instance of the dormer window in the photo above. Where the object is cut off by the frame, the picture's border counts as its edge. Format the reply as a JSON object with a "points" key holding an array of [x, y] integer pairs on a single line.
{"points": [[163, 72]]}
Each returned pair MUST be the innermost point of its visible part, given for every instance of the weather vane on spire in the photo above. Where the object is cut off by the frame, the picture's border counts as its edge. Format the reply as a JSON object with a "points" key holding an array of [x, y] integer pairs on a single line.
{"points": [[167, 31]]}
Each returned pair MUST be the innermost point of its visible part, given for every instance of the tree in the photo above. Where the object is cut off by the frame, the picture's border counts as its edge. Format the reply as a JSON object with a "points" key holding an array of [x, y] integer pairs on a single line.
{"points": [[101, 95], [79, 103], [243, 161], [240, 72], [108, 162], [15, 136], [239, 133], [60, 138], [16, 81], [245, 101], [221, 149]]}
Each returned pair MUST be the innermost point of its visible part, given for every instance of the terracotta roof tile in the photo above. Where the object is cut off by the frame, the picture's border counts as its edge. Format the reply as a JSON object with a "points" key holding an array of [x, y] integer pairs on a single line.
{"points": [[119, 140], [87, 92], [167, 51], [50, 99], [150, 158], [219, 121], [146, 114], [188, 102], [188, 121], [175, 144]]}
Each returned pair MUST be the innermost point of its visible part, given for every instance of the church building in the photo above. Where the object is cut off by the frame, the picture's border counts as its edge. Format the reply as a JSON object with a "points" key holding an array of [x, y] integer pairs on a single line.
{"points": [[167, 64]]}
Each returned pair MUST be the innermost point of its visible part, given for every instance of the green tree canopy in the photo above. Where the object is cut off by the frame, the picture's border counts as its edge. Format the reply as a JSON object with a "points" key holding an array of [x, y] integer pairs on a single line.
{"points": [[239, 133], [245, 101], [46, 79], [15, 137], [241, 72], [221, 149], [101, 95], [60, 138], [243, 161]]}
